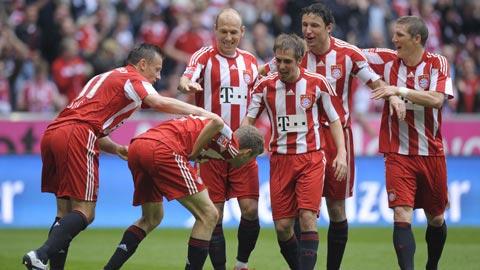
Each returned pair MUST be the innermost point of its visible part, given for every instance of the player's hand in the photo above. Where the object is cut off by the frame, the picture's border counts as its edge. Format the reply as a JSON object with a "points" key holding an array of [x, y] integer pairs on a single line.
{"points": [[397, 105], [193, 87], [340, 166], [122, 152], [384, 92]]}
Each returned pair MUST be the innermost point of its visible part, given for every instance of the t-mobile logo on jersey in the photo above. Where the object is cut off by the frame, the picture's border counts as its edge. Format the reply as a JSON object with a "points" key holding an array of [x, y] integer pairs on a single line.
{"points": [[283, 123], [292, 123], [232, 95]]}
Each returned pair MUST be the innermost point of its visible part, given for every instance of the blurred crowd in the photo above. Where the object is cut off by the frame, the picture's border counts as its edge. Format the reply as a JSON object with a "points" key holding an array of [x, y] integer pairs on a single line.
{"points": [[50, 48]]}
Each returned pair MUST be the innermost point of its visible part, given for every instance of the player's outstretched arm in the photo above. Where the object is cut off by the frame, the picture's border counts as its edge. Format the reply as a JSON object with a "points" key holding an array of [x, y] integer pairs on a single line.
{"points": [[107, 145], [340, 162], [173, 106], [430, 99]]}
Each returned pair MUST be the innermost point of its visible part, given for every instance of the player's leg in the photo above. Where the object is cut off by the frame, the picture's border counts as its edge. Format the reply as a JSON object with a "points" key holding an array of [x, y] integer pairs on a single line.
{"points": [[308, 239], [214, 174], [70, 156], [337, 233], [284, 170], [308, 185], [248, 231], [57, 261], [152, 214], [434, 203], [403, 240], [287, 241], [436, 237], [206, 216], [335, 193], [244, 185], [217, 249], [66, 229], [401, 184]]}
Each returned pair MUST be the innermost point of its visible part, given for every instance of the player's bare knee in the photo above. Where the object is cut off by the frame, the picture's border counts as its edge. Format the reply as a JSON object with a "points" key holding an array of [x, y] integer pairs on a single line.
{"points": [[308, 220], [249, 211], [402, 214], [152, 221], [284, 230], [336, 210], [209, 216], [436, 221]]}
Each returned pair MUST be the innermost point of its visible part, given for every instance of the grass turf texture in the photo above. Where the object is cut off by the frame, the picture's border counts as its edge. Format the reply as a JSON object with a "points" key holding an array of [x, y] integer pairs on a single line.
{"points": [[368, 248]]}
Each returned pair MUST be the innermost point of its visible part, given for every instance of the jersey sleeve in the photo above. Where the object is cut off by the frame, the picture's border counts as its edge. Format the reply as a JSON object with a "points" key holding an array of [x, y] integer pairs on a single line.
{"points": [[440, 80], [378, 57], [196, 64], [361, 67], [137, 90], [270, 67], [257, 103], [331, 104]]}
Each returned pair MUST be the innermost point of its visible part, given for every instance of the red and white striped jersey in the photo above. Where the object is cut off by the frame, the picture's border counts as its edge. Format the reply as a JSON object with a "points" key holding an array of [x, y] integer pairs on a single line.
{"points": [[227, 82], [182, 133], [107, 99], [294, 110], [419, 133], [339, 65]]}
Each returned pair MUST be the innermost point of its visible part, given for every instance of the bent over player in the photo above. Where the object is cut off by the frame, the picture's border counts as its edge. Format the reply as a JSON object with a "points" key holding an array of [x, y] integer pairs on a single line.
{"points": [[159, 161]]}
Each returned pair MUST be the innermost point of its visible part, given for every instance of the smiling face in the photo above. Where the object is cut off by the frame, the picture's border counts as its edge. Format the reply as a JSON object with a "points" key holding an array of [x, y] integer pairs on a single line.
{"points": [[404, 42], [228, 32], [287, 65], [315, 32], [151, 69]]}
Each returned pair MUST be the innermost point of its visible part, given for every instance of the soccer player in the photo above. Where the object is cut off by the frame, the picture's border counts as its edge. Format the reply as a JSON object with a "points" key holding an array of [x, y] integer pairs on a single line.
{"points": [[159, 163], [339, 62], [295, 100], [222, 77], [71, 144], [414, 157]]}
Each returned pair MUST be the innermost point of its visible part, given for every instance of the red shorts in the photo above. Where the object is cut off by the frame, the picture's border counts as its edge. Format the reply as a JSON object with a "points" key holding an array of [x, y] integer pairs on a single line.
{"points": [[332, 188], [225, 182], [417, 181], [159, 171], [70, 162], [295, 181]]}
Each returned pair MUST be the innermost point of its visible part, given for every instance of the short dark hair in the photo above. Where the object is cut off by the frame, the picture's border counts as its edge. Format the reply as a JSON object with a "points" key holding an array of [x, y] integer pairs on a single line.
{"points": [[143, 51], [415, 26], [290, 42], [320, 10], [250, 138]]}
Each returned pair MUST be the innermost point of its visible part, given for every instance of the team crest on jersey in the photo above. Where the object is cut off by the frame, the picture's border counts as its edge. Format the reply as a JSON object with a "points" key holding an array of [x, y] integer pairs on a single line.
{"points": [[247, 76], [306, 101], [391, 195], [424, 81], [336, 71]]}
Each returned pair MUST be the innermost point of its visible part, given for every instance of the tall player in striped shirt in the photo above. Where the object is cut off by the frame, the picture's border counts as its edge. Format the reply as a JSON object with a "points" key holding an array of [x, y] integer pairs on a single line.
{"points": [[222, 77], [71, 145], [414, 157], [339, 62], [296, 100]]}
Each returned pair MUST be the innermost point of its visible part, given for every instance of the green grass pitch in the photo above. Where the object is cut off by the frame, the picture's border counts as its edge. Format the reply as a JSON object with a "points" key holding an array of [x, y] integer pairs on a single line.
{"points": [[368, 248]]}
